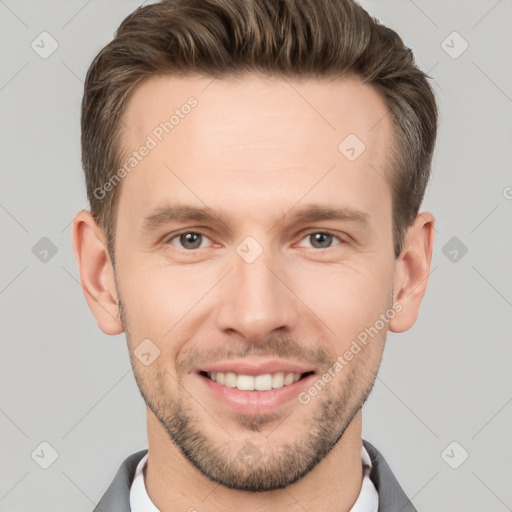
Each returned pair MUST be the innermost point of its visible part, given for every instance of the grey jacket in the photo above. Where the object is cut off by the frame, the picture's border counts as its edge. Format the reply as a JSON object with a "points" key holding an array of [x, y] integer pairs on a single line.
{"points": [[391, 496]]}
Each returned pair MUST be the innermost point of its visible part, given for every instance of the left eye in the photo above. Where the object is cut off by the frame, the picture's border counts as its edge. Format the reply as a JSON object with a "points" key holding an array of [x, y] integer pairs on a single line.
{"points": [[189, 239], [321, 239]]}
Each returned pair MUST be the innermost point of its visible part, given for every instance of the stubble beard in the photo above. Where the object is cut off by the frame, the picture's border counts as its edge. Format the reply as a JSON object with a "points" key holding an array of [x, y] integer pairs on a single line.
{"points": [[256, 467]]}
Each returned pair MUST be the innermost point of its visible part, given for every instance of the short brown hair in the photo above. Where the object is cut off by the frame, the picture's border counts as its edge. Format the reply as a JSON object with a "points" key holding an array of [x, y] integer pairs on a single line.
{"points": [[289, 38]]}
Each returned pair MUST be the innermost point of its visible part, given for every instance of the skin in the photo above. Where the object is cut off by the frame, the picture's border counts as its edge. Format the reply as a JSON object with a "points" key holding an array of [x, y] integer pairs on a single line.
{"points": [[254, 150]]}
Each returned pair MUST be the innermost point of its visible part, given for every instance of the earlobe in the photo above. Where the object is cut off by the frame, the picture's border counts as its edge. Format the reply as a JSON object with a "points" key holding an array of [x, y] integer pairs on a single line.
{"points": [[96, 272], [412, 271]]}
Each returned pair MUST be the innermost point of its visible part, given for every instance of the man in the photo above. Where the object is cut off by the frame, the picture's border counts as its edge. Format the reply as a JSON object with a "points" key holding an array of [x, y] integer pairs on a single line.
{"points": [[255, 170]]}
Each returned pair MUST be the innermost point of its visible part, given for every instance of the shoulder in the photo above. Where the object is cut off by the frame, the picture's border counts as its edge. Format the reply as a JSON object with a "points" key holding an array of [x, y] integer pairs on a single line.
{"points": [[391, 495], [117, 496]]}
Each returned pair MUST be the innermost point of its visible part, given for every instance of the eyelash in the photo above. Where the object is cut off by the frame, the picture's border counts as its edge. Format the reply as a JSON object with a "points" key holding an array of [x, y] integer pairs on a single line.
{"points": [[313, 232]]}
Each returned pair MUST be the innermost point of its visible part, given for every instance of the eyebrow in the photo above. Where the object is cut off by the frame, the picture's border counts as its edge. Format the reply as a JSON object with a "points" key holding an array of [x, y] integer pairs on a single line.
{"points": [[309, 213]]}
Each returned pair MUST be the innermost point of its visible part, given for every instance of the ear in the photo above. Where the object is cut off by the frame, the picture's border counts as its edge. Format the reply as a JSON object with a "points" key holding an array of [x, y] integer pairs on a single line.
{"points": [[412, 271], [96, 272]]}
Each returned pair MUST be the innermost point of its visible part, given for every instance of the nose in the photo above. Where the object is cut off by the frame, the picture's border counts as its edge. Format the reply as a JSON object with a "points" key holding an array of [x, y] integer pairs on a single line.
{"points": [[257, 299]]}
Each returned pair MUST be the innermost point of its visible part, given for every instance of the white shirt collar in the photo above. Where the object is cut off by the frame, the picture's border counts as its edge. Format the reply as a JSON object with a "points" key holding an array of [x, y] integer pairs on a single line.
{"points": [[139, 499], [367, 501]]}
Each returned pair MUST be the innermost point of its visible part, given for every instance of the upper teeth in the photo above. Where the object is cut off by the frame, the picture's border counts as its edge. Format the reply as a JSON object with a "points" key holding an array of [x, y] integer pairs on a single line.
{"points": [[258, 382]]}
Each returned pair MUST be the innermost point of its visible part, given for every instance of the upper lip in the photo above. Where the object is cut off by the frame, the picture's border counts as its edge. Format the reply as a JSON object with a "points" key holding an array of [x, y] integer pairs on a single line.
{"points": [[247, 367]]}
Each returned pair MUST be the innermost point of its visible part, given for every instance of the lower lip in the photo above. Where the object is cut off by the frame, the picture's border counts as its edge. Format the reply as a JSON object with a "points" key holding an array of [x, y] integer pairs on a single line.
{"points": [[255, 402]]}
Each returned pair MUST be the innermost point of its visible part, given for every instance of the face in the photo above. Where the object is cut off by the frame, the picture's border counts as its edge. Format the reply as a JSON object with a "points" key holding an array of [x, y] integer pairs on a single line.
{"points": [[252, 251]]}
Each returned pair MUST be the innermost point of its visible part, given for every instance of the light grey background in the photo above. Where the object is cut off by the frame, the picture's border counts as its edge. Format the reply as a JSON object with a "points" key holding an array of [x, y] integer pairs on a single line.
{"points": [[448, 379]]}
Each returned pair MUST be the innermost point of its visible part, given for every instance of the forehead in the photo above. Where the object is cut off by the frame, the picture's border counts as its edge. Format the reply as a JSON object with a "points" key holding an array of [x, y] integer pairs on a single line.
{"points": [[255, 140], [331, 107]]}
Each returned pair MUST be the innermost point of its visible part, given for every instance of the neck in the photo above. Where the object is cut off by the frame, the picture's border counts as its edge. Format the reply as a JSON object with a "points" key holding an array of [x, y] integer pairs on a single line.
{"points": [[173, 483]]}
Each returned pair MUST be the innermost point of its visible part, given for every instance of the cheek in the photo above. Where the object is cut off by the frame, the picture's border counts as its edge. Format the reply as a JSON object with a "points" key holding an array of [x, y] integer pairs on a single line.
{"points": [[347, 299], [161, 300], [146, 303]]}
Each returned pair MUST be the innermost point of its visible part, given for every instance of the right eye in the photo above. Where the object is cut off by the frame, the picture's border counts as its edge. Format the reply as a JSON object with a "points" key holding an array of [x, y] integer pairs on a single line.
{"points": [[188, 240]]}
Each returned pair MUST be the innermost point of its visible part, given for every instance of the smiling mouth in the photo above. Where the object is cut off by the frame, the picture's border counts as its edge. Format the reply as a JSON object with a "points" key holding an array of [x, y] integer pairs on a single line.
{"points": [[263, 382]]}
